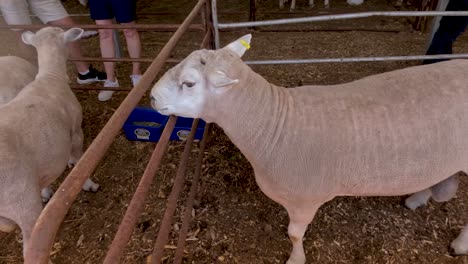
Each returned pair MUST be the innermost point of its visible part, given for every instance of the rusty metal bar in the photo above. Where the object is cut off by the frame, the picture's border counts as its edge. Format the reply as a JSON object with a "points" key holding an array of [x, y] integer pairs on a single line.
{"points": [[186, 218], [136, 205], [179, 254], [172, 13], [164, 228], [141, 27], [179, 180], [48, 223], [99, 59]]}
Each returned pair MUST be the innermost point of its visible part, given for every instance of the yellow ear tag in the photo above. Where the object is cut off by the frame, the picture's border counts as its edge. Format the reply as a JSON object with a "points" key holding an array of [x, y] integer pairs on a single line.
{"points": [[245, 44]]}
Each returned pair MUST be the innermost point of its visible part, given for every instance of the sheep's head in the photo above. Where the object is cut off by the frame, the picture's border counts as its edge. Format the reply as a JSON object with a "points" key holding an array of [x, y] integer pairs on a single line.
{"points": [[51, 36], [186, 89]]}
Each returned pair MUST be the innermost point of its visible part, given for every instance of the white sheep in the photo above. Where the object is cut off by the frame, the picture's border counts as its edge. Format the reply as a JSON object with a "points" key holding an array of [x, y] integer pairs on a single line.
{"points": [[15, 73], [40, 133], [389, 134]]}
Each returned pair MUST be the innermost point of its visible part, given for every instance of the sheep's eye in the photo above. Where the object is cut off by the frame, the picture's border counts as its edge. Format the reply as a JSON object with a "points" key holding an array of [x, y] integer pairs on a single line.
{"points": [[188, 84], [203, 62]]}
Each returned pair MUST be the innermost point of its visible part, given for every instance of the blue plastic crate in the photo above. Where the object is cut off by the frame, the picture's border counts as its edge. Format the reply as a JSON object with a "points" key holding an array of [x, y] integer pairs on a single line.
{"points": [[183, 126], [138, 126], [142, 124]]}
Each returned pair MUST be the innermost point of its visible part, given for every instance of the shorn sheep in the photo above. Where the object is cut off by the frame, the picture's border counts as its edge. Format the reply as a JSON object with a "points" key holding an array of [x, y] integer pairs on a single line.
{"points": [[390, 134], [15, 74], [40, 133]]}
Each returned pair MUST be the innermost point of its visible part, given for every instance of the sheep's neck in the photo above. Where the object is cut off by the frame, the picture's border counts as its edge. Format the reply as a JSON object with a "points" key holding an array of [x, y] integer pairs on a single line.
{"points": [[253, 115], [52, 63]]}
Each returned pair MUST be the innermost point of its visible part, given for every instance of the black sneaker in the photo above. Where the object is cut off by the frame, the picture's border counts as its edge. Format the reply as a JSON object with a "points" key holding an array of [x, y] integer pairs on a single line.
{"points": [[92, 76]]}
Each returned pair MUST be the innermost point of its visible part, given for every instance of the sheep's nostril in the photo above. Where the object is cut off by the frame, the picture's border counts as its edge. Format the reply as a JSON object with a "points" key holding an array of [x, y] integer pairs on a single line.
{"points": [[152, 98]]}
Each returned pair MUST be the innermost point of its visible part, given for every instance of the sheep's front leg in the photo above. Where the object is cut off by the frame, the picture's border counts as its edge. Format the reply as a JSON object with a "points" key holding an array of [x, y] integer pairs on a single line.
{"points": [[326, 3], [76, 153], [460, 244], [311, 3], [299, 219], [77, 148]]}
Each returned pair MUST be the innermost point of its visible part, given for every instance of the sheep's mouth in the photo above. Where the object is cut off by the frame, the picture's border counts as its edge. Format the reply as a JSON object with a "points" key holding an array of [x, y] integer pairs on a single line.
{"points": [[161, 110], [153, 104]]}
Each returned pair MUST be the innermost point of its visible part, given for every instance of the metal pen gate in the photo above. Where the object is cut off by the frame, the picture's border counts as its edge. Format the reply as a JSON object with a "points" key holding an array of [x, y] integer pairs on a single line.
{"points": [[46, 228]]}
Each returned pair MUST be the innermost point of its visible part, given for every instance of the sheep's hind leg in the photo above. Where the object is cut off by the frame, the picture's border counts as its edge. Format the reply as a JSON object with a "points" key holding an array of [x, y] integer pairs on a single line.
{"points": [[77, 148], [418, 199], [446, 189], [76, 153], [299, 219], [440, 192]]}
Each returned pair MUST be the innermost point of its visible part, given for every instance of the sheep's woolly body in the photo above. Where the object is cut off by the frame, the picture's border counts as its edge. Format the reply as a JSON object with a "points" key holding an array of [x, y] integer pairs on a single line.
{"points": [[40, 132], [389, 134], [15, 74]]}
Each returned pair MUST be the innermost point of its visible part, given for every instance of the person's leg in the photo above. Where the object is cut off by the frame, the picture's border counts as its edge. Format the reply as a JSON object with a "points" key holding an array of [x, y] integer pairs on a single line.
{"points": [[132, 38], [450, 28], [125, 13], [16, 12], [101, 13], [106, 41], [53, 13]]}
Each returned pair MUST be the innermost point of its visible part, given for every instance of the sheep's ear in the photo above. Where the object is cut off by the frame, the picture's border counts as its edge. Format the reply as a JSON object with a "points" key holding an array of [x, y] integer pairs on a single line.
{"points": [[220, 79], [73, 34], [241, 45], [27, 37]]}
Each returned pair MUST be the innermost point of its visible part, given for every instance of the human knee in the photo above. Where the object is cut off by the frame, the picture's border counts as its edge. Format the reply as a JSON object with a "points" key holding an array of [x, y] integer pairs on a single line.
{"points": [[130, 33], [105, 34]]}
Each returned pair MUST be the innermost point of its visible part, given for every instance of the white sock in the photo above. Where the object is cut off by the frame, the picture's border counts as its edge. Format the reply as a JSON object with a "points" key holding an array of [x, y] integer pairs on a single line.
{"points": [[84, 73]]}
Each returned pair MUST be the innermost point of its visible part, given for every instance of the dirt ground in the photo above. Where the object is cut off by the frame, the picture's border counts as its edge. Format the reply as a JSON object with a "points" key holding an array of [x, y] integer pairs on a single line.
{"points": [[234, 222]]}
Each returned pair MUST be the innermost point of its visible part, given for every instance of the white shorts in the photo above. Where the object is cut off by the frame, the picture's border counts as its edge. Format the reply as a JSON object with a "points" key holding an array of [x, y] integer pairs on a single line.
{"points": [[16, 12]]}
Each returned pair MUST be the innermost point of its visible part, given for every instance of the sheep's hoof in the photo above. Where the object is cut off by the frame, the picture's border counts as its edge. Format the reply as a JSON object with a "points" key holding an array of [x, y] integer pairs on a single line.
{"points": [[46, 194], [90, 186], [459, 247], [413, 204], [71, 164], [327, 6]]}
